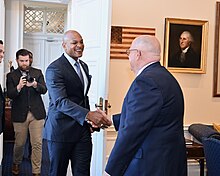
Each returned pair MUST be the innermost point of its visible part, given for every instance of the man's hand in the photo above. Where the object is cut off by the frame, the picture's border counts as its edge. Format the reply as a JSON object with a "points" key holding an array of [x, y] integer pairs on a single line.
{"points": [[32, 84], [21, 83], [98, 119]]}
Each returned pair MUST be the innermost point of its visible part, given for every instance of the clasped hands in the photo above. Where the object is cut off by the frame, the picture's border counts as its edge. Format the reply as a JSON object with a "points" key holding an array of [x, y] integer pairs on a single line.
{"points": [[98, 119]]}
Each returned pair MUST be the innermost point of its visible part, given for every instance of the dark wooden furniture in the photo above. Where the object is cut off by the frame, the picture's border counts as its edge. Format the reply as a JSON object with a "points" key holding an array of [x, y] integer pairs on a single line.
{"points": [[195, 151], [9, 130]]}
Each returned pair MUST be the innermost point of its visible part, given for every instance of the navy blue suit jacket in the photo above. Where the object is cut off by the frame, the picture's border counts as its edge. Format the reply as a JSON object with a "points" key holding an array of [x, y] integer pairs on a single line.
{"points": [[68, 105], [150, 139]]}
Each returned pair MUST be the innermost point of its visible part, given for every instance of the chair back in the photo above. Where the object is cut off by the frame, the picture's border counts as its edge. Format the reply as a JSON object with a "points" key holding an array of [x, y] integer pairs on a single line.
{"points": [[200, 131], [212, 155]]}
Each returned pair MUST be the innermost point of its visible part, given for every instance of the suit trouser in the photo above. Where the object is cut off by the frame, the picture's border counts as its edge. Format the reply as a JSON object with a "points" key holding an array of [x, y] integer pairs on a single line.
{"points": [[79, 153], [21, 130]]}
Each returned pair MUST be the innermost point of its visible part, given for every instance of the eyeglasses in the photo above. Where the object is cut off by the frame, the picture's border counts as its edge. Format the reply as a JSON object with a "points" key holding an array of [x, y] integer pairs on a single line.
{"points": [[129, 51]]}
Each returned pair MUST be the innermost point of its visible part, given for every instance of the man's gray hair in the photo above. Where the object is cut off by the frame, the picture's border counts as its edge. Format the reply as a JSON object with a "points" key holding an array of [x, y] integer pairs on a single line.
{"points": [[191, 39]]}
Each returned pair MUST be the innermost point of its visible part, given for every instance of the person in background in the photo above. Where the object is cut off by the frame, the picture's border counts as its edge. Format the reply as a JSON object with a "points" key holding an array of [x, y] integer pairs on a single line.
{"points": [[186, 57], [69, 121], [11, 67], [25, 85], [30, 58], [2, 99], [150, 140]]}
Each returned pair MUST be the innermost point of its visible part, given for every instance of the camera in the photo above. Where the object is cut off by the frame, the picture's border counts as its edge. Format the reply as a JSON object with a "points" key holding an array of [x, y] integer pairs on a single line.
{"points": [[28, 77]]}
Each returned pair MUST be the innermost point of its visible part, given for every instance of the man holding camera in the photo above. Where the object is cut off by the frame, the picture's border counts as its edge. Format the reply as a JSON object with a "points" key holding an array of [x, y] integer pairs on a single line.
{"points": [[25, 86]]}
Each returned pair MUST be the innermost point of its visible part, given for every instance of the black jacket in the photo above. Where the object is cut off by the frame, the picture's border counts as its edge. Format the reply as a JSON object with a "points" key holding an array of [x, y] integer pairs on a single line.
{"points": [[29, 98]]}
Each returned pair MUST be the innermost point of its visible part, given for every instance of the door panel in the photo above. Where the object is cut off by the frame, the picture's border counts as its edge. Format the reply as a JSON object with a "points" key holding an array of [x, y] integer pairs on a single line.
{"points": [[44, 52], [53, 51], [36, 46], [92, 18]]}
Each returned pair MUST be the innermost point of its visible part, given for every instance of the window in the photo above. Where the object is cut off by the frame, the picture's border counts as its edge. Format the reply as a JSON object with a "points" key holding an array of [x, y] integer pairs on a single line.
{"points": [[44, 20]]}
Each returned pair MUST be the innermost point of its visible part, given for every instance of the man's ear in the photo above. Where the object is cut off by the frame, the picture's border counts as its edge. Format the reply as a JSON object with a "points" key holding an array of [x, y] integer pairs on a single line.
{"points": [[138, 54], [64, 45]]}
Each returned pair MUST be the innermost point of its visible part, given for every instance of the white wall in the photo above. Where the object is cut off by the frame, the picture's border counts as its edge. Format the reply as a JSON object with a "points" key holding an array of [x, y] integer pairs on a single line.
{"points": [[200, 106], [13, 32]]}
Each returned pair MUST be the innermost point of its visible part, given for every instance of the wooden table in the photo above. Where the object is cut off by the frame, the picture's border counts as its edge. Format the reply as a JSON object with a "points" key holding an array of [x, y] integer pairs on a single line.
{"points": [[195, 151]]}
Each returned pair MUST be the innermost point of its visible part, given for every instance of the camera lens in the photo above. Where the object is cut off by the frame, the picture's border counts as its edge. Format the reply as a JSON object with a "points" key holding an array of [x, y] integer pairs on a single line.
{"points": [[30, 79]]}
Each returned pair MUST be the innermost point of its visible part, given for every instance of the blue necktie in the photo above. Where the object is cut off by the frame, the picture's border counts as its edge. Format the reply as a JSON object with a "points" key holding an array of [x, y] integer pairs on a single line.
{"points": [[79, 72]]}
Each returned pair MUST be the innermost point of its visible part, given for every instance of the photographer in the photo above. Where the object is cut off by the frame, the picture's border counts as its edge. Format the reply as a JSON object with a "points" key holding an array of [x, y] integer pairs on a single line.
{"points": [[25, 86]]}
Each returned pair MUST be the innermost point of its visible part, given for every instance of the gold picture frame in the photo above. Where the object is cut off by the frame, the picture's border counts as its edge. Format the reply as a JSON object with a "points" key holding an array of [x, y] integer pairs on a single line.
{"points": [[194, 56], [216, 76]]}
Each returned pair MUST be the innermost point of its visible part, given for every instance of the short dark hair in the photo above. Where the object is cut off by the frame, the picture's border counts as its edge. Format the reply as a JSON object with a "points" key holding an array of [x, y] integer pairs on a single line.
{"points": [[1, 42], [22, 52]]}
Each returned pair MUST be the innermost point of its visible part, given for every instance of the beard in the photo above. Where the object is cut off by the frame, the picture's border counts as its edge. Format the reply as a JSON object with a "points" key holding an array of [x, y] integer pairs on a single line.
{"points": [[23, 68]]}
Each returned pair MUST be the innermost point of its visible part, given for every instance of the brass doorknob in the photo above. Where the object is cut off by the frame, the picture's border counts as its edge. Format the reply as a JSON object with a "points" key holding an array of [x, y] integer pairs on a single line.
{"points": [[98, 106]]}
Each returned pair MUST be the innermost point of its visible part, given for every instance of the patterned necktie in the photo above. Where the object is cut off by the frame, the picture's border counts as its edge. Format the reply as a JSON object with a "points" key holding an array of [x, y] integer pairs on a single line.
{"points": [[79, 72]]}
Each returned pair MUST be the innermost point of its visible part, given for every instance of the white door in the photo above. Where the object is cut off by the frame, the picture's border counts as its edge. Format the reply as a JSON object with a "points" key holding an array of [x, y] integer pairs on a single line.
{"points": [[92, 19], [36, 46], [54, 50], [44, 52]]}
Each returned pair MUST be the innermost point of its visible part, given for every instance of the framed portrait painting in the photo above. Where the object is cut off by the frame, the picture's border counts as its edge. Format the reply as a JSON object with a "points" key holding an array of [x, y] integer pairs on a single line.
{"points": [[216, 86], [185, 46]]}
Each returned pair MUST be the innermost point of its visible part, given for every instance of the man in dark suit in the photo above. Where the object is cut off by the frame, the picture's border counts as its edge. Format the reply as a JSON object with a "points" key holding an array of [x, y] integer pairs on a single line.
{"points": [[25, 85], [186, 57], [150, 139], [2, 99], [66, 129]]}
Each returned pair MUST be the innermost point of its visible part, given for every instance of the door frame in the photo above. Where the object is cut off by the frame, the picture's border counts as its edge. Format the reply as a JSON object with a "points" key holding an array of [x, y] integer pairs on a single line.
{"points": [[99, 138]]}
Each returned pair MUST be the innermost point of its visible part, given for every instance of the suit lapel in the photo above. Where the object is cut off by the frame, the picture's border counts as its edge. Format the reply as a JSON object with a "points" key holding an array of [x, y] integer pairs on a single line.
{"points": [[71, 71], [68, 67], [17, 74], [85, 68]]}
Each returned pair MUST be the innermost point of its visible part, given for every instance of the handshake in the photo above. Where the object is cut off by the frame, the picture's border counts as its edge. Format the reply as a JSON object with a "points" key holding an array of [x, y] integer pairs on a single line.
{"points": [[98, 119]]}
